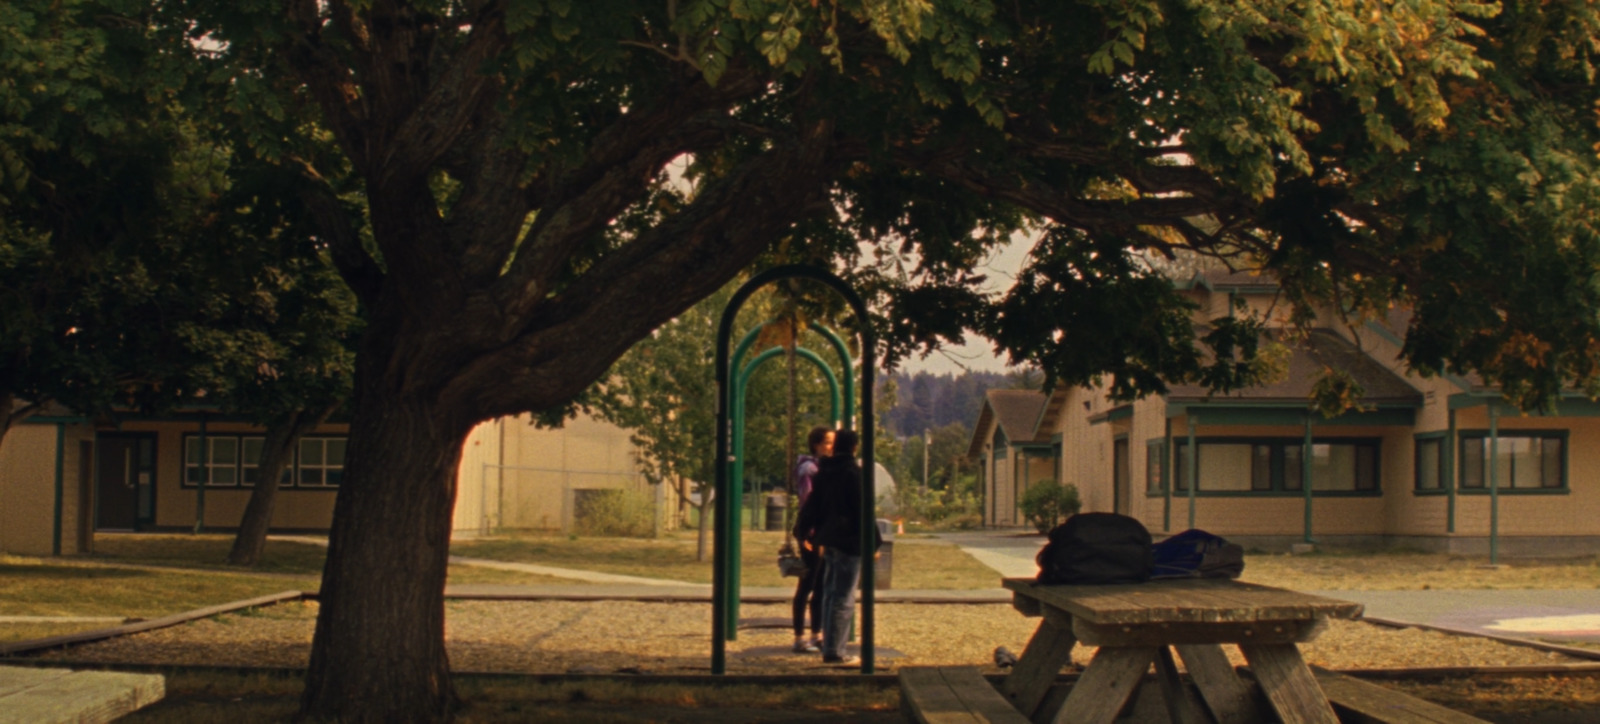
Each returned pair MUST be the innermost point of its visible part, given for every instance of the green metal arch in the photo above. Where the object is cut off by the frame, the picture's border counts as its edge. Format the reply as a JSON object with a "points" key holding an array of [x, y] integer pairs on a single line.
{"points": [[736, 465], [721, 453]]}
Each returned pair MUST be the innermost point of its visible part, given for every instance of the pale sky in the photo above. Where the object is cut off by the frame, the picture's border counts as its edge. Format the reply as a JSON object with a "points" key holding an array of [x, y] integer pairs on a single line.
{"points": [[978, 353]]}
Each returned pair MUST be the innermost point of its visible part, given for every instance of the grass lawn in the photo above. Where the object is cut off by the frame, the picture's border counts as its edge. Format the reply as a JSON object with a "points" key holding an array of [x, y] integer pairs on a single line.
{"points": [[917, 564], [210, 552], [202, 697], [1401, 571], [31, 587]]}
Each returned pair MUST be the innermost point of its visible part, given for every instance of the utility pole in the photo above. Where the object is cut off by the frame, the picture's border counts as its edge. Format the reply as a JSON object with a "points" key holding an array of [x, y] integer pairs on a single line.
{"points": [[927, 440]]}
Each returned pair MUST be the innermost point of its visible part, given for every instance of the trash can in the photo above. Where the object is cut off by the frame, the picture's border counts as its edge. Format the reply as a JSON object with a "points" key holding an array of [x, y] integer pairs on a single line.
{"points": [[777, 506], [884, 565]]}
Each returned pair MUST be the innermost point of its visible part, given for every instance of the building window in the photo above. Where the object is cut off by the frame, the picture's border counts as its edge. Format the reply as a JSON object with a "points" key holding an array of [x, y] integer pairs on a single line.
{"points": [[217, 463], [1154, 465], [321, 462], [1276, 465], [228, 461], [1525, 460], [1430, 463]]}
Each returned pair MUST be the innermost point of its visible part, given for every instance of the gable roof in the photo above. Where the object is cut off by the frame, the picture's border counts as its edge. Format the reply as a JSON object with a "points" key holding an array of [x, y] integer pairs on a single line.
{"points": [[1015, 411], [1323, 348]]}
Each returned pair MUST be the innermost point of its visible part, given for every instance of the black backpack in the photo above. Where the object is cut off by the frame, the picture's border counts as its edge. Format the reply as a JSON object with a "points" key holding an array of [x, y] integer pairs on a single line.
{"points": [[1096, 548]]}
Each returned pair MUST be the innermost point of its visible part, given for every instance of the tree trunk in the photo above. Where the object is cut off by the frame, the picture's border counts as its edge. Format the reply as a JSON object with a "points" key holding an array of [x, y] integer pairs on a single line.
{"points": [[683, 502], [705, 513], [378, 654], [277, 450]]}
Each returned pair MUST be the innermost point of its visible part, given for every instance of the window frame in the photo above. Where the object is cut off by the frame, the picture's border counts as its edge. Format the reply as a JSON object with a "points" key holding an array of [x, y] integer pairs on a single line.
{"points": [[1442, 440], [1157, 446], [290, 480], [1463, 436], [1277, 461]]}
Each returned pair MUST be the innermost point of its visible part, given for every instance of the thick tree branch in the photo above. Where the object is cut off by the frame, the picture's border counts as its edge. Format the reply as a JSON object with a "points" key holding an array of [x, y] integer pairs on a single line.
{"points": [[1093, 214], [322, 70], [621, 163], [654, 277], [453, 101], [360, 271], [486, 217]]}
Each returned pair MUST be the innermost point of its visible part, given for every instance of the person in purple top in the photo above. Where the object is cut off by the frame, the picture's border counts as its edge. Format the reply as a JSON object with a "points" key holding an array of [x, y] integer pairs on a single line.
{"points": [[808, 594]]}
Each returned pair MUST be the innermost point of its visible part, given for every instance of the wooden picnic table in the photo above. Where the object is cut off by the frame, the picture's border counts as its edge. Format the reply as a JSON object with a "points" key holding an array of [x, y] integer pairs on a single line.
{"points": [[1137, 624]]}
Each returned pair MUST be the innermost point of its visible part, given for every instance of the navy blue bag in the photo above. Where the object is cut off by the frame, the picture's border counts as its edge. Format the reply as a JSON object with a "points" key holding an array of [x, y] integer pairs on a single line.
{"points": [[1195, 553]]}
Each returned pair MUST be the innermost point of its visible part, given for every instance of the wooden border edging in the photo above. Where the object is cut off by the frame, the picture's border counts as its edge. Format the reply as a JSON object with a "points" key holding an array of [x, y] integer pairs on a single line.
{"points": [[145, 625], [1573, 651], [885, 679]]}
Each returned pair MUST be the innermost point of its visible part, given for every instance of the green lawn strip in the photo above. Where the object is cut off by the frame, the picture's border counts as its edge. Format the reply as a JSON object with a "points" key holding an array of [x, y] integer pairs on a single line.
{"points": [[208, 551], [936, 565], [1402, 571], [50, 589], [919, 564], [241, 698]]}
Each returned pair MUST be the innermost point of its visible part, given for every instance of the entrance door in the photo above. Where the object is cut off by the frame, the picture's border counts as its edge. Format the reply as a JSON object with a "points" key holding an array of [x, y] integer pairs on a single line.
{"points": [[1119, 475], [124, 481]]}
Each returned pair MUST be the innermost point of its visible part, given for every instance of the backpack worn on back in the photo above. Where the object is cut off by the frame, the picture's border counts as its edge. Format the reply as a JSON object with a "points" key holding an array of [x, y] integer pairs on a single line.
{"points": [[1096, 548], [1197, 554]]}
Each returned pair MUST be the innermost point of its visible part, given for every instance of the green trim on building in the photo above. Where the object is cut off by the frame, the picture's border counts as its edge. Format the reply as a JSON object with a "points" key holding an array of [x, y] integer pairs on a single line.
{"points": [[1291, 414]]}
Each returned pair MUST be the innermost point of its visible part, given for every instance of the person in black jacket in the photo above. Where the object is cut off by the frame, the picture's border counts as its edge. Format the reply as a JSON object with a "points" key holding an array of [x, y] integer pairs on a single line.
{"points": [[831, 518]]}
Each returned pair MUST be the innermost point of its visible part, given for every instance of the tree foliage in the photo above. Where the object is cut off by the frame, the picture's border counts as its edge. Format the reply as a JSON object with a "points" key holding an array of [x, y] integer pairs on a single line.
{"points": [[522, 221]]}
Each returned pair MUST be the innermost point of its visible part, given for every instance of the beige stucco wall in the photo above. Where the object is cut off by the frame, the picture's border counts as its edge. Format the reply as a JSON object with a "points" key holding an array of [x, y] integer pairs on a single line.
{"points": [[28, 489], [533, 471]]}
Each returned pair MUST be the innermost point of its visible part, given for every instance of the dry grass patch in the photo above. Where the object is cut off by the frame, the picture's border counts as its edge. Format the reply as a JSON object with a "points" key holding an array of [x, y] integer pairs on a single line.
{"points": [[1507, 699], [675, 638], [1340, 571]]}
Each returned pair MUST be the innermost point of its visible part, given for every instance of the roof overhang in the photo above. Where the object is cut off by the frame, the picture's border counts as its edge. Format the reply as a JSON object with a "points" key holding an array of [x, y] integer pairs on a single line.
{"points": [[1288, 413]]}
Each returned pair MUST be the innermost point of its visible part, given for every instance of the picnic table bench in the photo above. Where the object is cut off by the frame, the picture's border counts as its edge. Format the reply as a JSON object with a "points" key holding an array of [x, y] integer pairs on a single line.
{"points": [[1135, 625], [1139, 624]]}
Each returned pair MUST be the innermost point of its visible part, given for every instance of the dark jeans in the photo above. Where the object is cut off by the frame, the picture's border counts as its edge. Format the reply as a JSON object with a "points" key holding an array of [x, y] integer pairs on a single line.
{"points": [[840, 573], [808, 594]]}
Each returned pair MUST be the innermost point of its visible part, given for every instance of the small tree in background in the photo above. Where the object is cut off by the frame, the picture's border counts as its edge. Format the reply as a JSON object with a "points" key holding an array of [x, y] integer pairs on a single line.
{"points": [[1047, 504]]}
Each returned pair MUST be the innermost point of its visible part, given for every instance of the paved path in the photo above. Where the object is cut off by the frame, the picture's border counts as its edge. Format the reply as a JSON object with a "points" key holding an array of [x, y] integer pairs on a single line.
{"points": [[572, 573]]}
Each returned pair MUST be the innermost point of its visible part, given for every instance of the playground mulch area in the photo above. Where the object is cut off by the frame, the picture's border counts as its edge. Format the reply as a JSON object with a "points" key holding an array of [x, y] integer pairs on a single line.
{"points": [[594, 637]]}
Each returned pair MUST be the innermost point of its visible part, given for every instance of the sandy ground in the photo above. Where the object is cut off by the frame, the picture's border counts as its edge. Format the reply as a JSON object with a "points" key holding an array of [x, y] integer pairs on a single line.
{"points": [[669, 638]]}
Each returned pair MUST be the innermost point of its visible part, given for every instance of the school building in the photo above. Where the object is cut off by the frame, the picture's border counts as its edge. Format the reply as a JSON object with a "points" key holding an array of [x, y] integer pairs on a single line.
{"points": [[1439, 464]]}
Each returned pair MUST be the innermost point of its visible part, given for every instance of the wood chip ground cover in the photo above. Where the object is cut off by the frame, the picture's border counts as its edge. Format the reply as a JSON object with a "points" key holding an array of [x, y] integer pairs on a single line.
{"points": [[674, 638]]}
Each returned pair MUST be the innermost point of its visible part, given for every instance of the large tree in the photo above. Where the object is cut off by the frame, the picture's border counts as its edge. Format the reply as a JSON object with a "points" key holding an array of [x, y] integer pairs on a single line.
{"points": [[526, 226]]}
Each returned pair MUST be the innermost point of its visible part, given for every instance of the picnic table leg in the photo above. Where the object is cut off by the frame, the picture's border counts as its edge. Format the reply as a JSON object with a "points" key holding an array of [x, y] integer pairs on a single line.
{"points": [[1029, 681], [1104, 687], [1182, 705], [1289, 684], [1225, 694]]}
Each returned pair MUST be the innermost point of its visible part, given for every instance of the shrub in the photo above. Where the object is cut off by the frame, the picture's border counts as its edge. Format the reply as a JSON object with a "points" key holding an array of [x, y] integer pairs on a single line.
{"points": [[1047, 504], [956, 508], [614, 512]]}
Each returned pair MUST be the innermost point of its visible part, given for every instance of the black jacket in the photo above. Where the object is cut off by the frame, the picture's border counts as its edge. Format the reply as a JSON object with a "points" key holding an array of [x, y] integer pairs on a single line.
{"points": [[831, 517]]}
